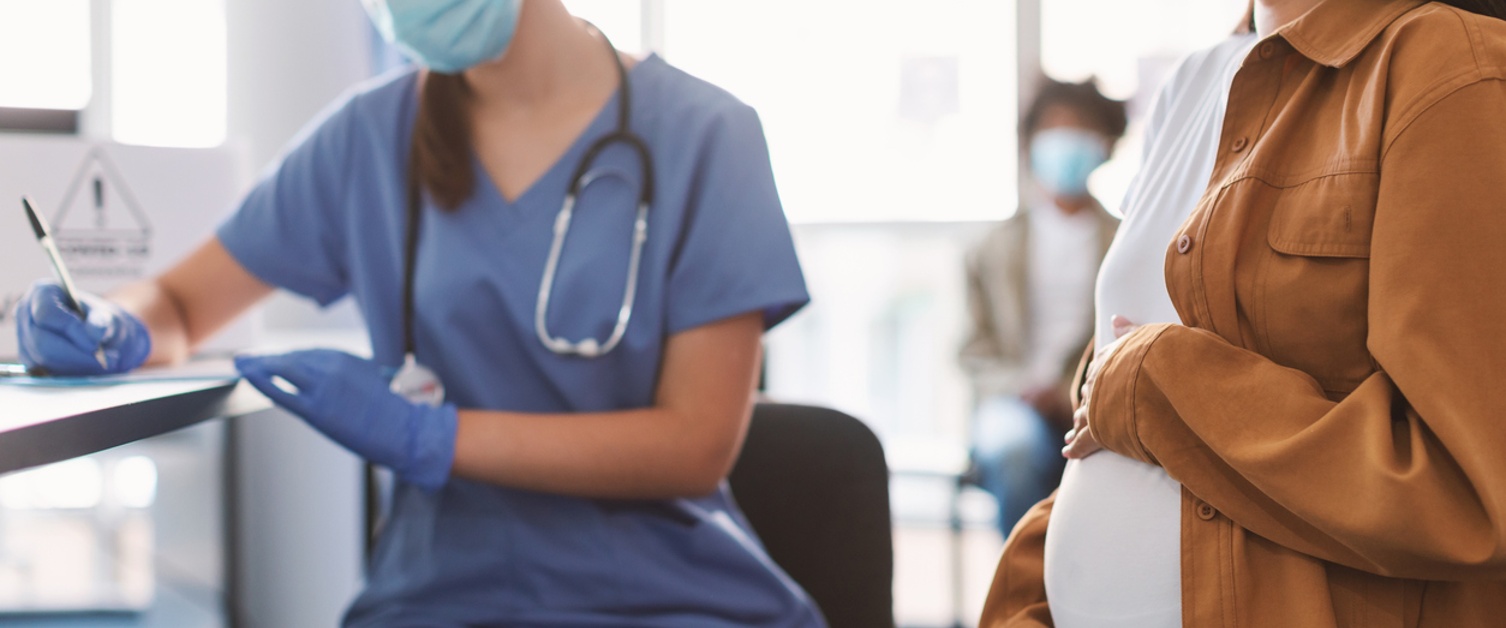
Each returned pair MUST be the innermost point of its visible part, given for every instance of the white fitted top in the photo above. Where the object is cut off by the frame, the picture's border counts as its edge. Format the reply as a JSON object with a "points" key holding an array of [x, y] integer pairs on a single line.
{"points": [[1113, 548]]}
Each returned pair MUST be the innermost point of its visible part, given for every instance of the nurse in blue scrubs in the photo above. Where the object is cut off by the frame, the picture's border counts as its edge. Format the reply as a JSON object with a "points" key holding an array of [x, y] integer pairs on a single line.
{"points": [[575, 323]]}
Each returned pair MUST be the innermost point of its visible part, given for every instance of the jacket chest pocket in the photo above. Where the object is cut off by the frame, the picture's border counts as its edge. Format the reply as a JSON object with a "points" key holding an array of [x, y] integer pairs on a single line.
{"points": [[1314, 283]]}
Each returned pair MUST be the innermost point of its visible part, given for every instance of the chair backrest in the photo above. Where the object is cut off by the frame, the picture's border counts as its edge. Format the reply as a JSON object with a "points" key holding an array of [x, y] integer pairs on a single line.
{"points": [[815, 487]]}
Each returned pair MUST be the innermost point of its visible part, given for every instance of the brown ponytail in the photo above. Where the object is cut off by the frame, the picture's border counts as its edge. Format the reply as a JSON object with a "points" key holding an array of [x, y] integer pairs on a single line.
{"points": [[439, 160]]}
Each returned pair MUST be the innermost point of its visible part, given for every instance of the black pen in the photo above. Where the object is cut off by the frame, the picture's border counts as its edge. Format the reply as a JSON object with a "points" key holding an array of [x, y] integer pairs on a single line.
{"points": [[44, 238]]}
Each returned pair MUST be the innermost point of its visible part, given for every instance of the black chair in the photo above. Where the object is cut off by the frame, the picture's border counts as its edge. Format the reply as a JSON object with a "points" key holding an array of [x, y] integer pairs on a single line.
{"points": [[815, 487]]}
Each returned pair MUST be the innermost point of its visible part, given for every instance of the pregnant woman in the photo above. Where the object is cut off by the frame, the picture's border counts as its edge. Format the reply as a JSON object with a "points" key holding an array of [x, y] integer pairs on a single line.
{"points": [[1309, 436]]}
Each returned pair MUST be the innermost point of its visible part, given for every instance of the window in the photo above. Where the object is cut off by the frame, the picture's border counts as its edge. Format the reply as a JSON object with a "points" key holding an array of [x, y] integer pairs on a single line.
{"points": [[620, 20], [875, 111], [45, 48], [1130, 47], [168, 72]]}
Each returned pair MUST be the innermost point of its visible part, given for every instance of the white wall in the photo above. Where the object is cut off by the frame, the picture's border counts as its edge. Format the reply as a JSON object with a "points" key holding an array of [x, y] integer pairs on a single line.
{"points": [[299, 505]]}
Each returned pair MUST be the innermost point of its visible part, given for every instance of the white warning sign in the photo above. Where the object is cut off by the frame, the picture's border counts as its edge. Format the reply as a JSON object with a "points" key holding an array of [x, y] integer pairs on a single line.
{"points": [[100, 227], [118, 213]]}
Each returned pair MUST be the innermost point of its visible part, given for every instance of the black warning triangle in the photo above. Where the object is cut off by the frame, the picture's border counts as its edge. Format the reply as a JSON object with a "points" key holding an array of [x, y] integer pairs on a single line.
{"points": [[99, 204], [100, 229]]}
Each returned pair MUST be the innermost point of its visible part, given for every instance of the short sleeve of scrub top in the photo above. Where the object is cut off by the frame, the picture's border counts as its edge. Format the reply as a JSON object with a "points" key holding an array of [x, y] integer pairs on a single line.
{"points": [[736, 255], [330, 221], [285, 232]]}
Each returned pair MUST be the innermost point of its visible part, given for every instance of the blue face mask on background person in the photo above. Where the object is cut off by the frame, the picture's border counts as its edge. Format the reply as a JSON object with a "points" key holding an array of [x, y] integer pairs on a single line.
{"points": [[1062, 158], [447, 35]]}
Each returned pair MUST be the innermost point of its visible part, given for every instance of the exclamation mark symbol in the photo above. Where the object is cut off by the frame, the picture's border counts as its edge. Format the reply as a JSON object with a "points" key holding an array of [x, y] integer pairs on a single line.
{"points": [[99, 202]]}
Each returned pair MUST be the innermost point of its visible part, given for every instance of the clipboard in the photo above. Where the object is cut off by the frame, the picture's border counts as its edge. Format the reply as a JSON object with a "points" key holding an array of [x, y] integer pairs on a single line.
{"points": [[204, 370]]}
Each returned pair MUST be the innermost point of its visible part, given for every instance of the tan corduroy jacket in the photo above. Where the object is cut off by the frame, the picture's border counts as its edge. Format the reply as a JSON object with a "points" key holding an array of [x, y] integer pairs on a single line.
{"points": [[1335, 407]]}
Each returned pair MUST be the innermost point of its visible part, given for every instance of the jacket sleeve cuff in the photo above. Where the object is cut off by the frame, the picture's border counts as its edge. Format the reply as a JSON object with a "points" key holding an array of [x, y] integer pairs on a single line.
{"points": [[1114, 411]]}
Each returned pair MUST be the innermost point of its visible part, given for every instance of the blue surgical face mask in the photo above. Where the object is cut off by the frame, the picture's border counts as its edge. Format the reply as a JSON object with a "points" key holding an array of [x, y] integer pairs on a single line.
{"points": [[447, 35], [1062, 158]]}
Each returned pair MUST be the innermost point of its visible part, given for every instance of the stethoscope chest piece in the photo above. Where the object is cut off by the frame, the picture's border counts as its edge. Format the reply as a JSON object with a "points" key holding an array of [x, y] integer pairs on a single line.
{"points": [[417, 383]]}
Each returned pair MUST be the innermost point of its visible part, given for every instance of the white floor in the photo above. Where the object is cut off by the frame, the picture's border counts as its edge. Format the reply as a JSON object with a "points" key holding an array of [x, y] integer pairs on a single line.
{"points": [[925, 570]]}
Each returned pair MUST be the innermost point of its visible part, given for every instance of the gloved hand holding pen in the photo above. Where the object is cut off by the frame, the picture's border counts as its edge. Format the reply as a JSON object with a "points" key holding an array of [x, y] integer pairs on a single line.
{"points": [[347, 399], [53, 337]]}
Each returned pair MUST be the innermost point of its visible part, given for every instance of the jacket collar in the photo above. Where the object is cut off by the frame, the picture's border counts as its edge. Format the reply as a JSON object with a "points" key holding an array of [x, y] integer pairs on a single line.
{"points": [[1336, 31]]}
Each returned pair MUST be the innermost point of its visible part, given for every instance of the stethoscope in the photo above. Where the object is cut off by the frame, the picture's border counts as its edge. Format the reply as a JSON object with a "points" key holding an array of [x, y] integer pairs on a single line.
{"points": [[417, 382]]}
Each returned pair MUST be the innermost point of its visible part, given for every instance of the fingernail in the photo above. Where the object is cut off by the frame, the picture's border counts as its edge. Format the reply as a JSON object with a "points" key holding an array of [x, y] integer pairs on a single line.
{"points": [[1071, 434]]}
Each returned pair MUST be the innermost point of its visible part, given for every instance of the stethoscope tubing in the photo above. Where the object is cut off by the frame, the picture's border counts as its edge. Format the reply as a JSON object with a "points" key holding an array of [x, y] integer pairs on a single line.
{"points": [[579, 181]]}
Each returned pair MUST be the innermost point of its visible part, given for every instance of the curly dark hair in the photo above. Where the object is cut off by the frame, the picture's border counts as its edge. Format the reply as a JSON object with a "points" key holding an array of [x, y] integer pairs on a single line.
{"points": [[1101, 112]]}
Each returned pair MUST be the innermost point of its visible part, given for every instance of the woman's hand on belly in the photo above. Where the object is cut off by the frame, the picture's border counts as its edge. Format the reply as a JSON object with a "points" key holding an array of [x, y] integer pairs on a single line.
{"points": [[1080, 442]]}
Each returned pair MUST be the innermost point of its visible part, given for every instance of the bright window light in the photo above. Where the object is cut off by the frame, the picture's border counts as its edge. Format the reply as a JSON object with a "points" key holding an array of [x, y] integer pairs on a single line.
{"points": [[621, 20], [1126, 43], [881, 110], [45, 47], [134, 482], [1130, 48], [169, 67], [77, 483]]}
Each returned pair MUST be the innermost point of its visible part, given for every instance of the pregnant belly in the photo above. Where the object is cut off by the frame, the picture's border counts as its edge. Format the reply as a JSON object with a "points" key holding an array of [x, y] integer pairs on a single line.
{"points": [[1113, 550]]}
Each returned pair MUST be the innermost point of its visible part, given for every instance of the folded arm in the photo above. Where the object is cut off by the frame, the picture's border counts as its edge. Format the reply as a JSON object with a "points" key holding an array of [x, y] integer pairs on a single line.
{"points": [[1405, 476]]}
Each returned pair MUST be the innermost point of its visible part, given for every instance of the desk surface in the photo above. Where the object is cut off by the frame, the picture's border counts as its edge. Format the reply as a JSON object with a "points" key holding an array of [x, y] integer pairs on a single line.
{"points": [[40, 425]]}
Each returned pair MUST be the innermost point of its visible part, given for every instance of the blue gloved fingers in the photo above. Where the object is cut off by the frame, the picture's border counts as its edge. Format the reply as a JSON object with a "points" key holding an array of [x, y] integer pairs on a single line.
{"points": [[131, 345], [347, 399], [50, 335], [53, 336], [260, 371], [48, 308], [263, 382], [124, 338], [44, 349]]}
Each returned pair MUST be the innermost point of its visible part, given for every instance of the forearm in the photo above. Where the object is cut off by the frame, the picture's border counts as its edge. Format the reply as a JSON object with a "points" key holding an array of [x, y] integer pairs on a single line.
{"points": [[193, 300], [649, 453], [681, 446], [1364, 482], [149, 301]]}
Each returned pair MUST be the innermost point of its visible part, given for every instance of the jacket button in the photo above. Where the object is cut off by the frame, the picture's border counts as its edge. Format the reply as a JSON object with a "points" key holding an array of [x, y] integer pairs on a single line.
{"points": [[1184, 244], [1239, 144], [1267, 49], [1205, 512]]}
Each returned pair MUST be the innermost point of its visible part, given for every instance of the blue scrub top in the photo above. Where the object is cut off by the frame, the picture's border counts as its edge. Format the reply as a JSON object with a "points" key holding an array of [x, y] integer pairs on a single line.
{"points": [[329, 220]]}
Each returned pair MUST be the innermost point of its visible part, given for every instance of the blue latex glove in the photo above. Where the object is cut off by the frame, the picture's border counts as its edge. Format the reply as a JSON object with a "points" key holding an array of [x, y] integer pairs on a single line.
{"points": [[346, 398], [53, 337]]}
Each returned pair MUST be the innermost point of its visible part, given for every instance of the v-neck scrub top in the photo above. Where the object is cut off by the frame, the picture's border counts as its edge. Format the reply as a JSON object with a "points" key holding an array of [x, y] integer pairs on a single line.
{"points": [[329, 221]]}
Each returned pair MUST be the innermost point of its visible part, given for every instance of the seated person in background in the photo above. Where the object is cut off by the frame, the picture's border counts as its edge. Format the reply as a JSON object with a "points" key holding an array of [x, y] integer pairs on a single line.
{"points": [[1030, 296]]}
